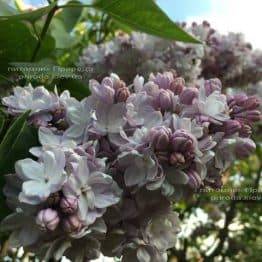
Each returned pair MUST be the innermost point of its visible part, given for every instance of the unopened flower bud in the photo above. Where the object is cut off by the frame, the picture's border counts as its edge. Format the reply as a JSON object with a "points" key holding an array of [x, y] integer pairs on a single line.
{"points": [[163, 80], [165, 99], [194, 179], [69, 204], [160, 137], [177, 86], [72, 224], [47, 219], [245, 148], [249, 116], [176, 159], [53, 199], [162, 156], [245, 131], [231, 127], [212, 85], [117, 82], [122, 94], [181, 141], [240, 99], [251, 103], [188, 95]]}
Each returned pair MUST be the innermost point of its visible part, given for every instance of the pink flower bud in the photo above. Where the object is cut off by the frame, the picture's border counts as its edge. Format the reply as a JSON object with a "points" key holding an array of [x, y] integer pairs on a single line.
{"points": [[117, 82], [231, 126], [182, 142], [122, 94], [245, 131], [188, 95], [177, 86], [165, 99], [176, 159], [245, 148], [194, 179], [251, 103], [47, 219], [72, 224], [249, 116], [160, 137], [69, 204], [240, 99], [163, 80], [162, 156]]}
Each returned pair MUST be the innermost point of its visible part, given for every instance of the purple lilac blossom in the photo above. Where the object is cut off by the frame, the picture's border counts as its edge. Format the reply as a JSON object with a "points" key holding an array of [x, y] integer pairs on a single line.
{"points": [[105, 182]]}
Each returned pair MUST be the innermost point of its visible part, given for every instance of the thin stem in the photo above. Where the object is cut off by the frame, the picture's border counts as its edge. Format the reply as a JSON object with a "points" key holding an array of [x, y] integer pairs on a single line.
{"points": [[7, 79], [100, 29], [44, 31], [74, 5]]}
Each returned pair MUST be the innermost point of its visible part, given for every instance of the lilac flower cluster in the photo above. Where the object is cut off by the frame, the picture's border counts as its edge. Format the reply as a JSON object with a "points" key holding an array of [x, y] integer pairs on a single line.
{"points": [[228, 57], [139, 53], [109, 166]]}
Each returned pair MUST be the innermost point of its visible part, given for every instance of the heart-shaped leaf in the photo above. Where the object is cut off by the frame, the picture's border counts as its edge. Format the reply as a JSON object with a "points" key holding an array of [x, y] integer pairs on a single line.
{"points": [[144, 16]]}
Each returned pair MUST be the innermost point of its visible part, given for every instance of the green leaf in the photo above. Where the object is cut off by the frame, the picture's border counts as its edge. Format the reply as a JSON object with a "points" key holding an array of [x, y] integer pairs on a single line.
{"points": [[77, 88], [28, 16], [2, 123], [70, 16], [16, 42], [63, 38], [16, 143], [145, 16]]}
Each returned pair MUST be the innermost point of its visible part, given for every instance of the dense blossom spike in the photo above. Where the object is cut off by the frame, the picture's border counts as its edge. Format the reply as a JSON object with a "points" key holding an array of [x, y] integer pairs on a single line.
{"points": [[106, 181], [228, 57]]}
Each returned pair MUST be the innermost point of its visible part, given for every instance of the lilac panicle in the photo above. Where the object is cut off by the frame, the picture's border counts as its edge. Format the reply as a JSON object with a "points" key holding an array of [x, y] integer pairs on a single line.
{"points": [[108, 167]]}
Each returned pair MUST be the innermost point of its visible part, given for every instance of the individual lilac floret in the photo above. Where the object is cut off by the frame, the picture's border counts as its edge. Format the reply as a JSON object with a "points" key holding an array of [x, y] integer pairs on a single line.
{"points": [[183, 146], [72, 224], [212, 85], [160, 137], [47, 219], [188, 95], [244, 148], [168, 81], [50, 140], [95, 191], [140, 169], [41, 178], [69, 204], [79, 116], [28, 98], [214, 106], [104, 92], [244, 108]]}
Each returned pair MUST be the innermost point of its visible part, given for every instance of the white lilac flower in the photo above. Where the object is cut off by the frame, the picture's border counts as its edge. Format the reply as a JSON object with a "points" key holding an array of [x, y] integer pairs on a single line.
{"points": [[49, 140], [42, 178], [95, 192], [109, 118], [140, 169], [28, 98], [213, 106], [79, 115]]}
